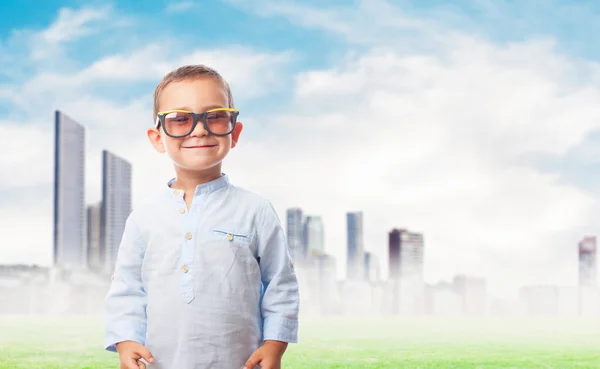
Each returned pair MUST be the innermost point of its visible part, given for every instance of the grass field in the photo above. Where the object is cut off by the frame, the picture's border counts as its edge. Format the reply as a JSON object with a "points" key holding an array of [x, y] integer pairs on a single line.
{"points": [[76, 342]]}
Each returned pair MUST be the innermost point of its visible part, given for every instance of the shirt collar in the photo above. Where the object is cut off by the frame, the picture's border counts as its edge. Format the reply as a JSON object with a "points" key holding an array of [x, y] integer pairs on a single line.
{"points": [[201, 189]]}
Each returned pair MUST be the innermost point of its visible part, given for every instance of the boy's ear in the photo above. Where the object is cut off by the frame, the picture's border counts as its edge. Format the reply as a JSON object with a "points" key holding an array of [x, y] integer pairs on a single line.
{"points": [[156, 140], [235, 135]]}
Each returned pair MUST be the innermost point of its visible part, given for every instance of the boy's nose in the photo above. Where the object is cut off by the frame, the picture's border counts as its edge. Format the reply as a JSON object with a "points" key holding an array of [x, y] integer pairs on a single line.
{"points": [[199, 130]]}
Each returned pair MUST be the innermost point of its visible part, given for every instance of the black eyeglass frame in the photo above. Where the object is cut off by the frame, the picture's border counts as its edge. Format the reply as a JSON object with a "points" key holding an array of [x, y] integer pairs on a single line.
{"points": [[160, 119]]}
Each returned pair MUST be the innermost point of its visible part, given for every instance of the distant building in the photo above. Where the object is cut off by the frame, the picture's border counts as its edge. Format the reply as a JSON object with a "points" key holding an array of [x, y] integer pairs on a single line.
{"points": [[295, 235], [406, 271], [116, 204], [355, 245], [442, 299], [588, 267], [325, 268], [406, 252], [96, 250], [69, 183], [394, 254], [315, 235], [372, 267], [539, 300], [473, 292]]}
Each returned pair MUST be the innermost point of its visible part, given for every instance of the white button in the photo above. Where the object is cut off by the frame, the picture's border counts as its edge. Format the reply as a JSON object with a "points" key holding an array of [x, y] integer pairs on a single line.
{"points": [[181, 210], [229, 237], [176, 192], [188, 236], [185, 269]]}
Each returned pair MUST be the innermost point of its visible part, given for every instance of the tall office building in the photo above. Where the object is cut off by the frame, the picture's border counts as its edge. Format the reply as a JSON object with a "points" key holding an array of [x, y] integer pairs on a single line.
{"points": [[371, 267], [406, 271], [315, 235], [405, 255], [295, 235], [394, 254], [588, 267], [355, 245], [69, 203], [95, 251], [116, 204]]}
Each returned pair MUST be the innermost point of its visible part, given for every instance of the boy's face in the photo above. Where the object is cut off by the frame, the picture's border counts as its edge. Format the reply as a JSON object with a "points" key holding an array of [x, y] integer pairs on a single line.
{"points": [[199, 150]]}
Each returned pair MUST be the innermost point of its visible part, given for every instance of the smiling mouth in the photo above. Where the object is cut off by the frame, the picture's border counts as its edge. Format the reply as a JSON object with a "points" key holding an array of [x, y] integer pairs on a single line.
{"points": [[199, 147]]}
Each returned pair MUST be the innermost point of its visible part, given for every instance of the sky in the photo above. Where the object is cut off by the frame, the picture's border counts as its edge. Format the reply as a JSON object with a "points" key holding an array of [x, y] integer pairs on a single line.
{"points": [[476, 123]]}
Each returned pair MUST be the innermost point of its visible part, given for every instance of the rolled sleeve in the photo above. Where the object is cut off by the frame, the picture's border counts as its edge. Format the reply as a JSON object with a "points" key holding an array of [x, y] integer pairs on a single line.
{"points": [[280, 328], [125, 304], [280, 303]]}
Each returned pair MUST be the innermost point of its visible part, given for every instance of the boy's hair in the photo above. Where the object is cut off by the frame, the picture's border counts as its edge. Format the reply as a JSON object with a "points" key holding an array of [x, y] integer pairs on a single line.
{"points": [[190, 73]]}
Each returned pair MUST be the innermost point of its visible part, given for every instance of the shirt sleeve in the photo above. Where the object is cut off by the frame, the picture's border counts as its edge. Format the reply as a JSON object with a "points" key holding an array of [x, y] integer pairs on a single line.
{"points": [[280, 302], [125, 304]]}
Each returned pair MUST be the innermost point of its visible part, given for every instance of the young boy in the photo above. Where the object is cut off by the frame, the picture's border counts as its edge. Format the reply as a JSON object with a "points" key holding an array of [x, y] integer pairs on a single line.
{"points": [[203, 277]]}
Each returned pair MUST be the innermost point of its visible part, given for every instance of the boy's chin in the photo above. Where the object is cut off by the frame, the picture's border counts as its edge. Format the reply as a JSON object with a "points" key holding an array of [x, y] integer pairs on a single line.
{"points": [[196, 166]]}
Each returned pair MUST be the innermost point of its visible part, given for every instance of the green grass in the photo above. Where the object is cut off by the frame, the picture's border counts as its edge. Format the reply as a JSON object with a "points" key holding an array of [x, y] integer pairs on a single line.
{"points": [[385, 343]]}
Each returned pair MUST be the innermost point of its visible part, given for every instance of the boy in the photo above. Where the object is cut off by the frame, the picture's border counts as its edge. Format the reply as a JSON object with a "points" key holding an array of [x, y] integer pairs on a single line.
{"points": [[187, 291]]}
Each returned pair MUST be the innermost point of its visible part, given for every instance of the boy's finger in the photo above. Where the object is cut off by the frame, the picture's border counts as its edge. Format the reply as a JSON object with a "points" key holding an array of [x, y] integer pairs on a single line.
{"points": [[252, 362], [141, 365], [146, 355], [131, 363]]}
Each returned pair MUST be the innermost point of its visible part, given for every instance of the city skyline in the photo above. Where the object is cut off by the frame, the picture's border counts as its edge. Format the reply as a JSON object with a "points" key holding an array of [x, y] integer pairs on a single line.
{"points": [[416, 121], [87, 236]]}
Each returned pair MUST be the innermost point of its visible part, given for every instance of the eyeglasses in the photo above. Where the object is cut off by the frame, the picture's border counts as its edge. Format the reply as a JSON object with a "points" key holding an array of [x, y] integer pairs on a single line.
{"points": [[180, 123]]}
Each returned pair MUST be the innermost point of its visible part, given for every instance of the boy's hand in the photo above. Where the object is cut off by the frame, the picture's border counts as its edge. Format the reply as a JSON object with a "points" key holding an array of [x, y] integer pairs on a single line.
{"points": [[268, 356], [129, 354]]}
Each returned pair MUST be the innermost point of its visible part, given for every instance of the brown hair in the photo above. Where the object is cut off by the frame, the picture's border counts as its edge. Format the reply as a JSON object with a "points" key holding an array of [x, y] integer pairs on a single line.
{"points": [[190, 72]]}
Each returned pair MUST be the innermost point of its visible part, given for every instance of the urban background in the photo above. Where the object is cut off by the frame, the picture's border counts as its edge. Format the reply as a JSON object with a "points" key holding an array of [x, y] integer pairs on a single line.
{"points": [[87, 237]]}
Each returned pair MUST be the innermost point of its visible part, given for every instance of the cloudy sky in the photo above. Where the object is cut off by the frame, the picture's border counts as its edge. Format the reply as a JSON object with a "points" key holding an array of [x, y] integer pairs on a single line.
{"points": [[477, 124]]}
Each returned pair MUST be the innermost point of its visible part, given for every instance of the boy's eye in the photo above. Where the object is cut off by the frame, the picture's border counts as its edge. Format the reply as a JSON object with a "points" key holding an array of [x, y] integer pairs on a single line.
{"points": [[178, 118], [218, 115]]}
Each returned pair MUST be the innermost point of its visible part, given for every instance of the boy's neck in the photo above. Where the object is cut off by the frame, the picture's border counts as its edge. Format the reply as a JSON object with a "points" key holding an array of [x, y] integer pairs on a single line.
{"points": [[188, 180]]}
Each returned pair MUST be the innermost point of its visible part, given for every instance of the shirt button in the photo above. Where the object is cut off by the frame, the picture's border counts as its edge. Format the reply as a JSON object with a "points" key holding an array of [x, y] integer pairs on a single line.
{"points": [[181, 210], [188, 236], [176, 192], [229, 237], [185, 268]]}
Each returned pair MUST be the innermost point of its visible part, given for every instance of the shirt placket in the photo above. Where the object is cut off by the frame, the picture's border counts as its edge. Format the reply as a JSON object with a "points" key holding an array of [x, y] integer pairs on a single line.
{"points": [[188, 245]]}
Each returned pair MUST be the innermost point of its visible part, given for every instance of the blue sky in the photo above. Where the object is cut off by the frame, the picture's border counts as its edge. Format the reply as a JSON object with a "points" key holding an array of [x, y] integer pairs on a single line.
{"points": [[474, 123]]}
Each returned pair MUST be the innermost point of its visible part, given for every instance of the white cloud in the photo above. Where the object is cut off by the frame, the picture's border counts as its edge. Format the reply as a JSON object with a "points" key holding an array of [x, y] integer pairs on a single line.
{"points": [[431, 141], [73, 24], [435, 142], [248, 79], [364, 22], [70, 25]]}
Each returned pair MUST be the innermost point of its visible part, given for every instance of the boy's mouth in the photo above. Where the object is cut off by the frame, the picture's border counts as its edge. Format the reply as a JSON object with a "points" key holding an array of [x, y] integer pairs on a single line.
{"points": [[199, 147]]}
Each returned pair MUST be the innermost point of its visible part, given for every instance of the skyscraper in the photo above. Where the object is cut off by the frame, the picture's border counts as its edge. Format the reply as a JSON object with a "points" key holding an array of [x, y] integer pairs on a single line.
{"points": [[405, 255], [371, 267], [95, 251], [295, 234], [355, 245], [315, 235], [406, 271], [394, 254], [116, 204], [588, 268], [69, 203]]}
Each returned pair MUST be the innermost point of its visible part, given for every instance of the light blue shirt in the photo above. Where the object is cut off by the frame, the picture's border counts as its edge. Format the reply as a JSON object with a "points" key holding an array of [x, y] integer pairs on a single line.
{"points": [[203, 288]]}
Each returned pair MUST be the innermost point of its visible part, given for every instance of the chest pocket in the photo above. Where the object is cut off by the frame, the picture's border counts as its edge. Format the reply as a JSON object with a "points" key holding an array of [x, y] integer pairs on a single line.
{"points": [[231, 254]]}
